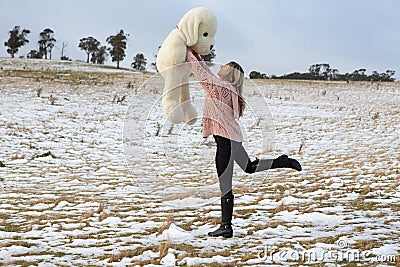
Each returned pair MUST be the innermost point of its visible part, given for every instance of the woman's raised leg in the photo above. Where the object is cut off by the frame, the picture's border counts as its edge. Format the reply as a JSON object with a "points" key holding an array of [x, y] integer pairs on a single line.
{"points": [[243, 160]]}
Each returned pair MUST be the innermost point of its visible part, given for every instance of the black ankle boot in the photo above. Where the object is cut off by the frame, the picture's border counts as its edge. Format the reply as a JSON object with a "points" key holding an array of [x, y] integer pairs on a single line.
{"points": [[225, 229], [285, 162]]}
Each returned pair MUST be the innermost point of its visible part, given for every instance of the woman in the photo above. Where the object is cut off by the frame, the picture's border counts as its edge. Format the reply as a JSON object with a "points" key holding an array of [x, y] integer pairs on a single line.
{"points": [[223, 105]]}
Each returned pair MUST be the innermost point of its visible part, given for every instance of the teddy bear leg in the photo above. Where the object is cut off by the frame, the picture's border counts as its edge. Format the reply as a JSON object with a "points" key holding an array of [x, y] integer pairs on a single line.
{"points": [[188, 110], [170, 100]]}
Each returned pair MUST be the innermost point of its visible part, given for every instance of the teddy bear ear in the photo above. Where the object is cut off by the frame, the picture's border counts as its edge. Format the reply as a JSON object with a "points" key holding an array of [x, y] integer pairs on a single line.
{"points": [[189, 26]]}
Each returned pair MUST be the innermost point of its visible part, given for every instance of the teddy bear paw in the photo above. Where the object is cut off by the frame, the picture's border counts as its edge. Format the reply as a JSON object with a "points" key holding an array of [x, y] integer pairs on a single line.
{"points": [[190, 115], [174, 114]]}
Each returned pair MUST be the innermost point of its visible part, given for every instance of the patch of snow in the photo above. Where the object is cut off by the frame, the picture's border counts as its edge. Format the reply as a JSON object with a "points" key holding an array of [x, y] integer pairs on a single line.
{"points": [[189, 261], [17, 161], [293, 200], [83, 242], [175, 234], [309, 218], [387, 250], [61, 205], [70, 226], [168, 260], [111, 221], [189, 202], [146, 255], [103, 170]]}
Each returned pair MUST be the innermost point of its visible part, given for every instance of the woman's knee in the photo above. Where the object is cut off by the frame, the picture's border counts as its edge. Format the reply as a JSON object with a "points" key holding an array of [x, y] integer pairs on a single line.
{"points": [[227, 194], [225, 186]]}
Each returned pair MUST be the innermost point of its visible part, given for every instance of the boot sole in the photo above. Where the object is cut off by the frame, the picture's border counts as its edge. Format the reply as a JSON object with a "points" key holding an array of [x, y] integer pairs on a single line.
{"points": [[223, 235]]}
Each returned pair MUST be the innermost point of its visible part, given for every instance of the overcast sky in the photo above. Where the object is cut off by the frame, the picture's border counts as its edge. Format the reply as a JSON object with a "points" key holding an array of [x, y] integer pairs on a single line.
{"points": [[271, 36]]}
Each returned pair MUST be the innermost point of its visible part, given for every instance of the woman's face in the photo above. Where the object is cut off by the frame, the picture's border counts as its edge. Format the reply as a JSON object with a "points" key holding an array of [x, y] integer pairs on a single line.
{"points": [[223, 71]]}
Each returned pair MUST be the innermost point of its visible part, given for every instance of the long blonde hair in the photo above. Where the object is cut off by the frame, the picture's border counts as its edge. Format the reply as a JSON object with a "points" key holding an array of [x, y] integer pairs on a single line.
{"points": [[235, 76]]}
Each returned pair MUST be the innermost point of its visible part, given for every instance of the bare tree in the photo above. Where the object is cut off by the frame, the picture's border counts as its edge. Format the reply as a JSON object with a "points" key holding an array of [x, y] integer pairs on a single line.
{"points": [[64, 46]]}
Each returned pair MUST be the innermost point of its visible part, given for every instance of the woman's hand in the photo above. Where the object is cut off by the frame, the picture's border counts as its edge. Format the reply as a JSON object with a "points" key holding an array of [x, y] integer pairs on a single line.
{"points": [[192, 57], [194, 54]]}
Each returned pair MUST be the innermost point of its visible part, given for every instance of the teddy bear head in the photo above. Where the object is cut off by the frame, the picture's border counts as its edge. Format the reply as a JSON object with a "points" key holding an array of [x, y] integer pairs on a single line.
{"points": [[199, 26]]}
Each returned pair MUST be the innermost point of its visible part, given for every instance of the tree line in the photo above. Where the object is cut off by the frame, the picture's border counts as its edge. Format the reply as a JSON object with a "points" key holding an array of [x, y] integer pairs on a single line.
{"points": [[96, 53], [324, 72]]}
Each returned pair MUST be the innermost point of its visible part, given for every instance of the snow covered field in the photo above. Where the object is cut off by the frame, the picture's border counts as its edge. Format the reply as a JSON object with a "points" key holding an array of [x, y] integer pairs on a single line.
{"points": [[90, 180]]}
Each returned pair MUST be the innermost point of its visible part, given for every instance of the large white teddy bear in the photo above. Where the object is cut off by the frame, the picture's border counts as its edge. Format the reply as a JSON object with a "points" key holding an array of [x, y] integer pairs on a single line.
{"points": [[196, 30]]}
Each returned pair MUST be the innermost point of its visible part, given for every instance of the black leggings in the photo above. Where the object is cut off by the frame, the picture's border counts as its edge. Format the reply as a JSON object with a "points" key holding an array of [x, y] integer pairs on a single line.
{"points": [[229, 151]]}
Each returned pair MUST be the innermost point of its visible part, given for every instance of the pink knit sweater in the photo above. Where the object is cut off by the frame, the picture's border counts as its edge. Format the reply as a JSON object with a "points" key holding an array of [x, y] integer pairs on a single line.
{"points": [[221, 105]]}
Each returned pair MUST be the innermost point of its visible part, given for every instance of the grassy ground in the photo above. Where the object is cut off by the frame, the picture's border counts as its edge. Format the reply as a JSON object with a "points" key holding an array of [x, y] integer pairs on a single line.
{"points": [[82, 205]]}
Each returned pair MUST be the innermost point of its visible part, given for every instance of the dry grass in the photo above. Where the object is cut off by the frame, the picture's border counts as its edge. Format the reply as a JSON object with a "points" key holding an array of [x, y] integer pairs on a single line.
{"points": [[278, 197], [186, 226], [217, 264], [257, 227], [249, 256], [241, 189], [179, 196], [280, 207], [244, 213], [103, 216], [101, 208], [11, 227], [168, 220], [209, 254], [87, 215], [206, 219], [325, 196], [280, 188], [314, 188], [128, 254], [262, 226], [367, 244], [186, 250], [17, 243], [63, 197], [365, 190], [163, 248], [258, 199]]}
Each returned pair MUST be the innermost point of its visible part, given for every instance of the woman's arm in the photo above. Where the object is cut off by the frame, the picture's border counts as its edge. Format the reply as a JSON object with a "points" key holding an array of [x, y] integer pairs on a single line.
{"points": [[201, 61], [211, 84], [202, 73]]}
